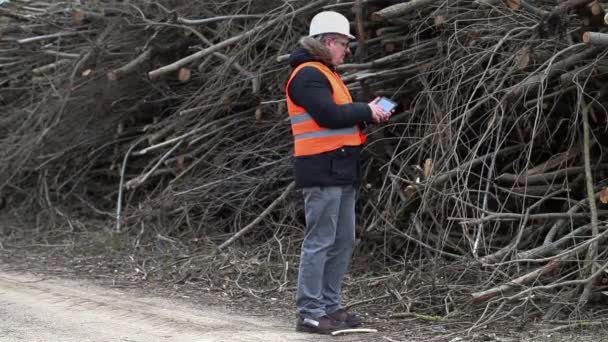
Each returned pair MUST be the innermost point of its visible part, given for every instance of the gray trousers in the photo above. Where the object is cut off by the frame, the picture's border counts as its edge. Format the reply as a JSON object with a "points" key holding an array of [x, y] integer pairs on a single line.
{"points": [[327, 248]]}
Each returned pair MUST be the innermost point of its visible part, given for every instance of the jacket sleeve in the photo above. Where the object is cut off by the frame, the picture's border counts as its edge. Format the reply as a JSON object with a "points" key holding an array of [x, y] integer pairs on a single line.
{"points": [[310, 89]]}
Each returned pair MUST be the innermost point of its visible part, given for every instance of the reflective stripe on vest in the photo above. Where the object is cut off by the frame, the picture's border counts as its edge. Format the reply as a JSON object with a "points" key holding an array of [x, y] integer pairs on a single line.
{"points": [[328, 133], [309, 137], [301, 118]]}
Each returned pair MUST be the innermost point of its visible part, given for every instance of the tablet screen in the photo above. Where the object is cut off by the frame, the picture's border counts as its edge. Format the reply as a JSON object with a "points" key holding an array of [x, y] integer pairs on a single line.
{"points": [[386, 104]]}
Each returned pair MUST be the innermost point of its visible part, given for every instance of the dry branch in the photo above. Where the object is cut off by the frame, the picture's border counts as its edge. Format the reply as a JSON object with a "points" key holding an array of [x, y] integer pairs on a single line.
{"points": [[534, 81], [130, 67], [548, 177], [526, 5], [52, 36], [50, 67], [482, 296], [401, 9], [266, 211], [186, 21], [592, 252], [155, 74], [567, 5], [595, 38], [80, 17]]}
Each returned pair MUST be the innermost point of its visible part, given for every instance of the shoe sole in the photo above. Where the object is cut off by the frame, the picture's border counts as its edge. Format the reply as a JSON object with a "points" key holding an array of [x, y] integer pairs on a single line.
{"points": [[312, 330], [352, 325]]}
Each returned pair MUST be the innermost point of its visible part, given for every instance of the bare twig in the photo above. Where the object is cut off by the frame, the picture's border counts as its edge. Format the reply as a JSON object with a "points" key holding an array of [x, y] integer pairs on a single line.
{"points": [[266, 211]]}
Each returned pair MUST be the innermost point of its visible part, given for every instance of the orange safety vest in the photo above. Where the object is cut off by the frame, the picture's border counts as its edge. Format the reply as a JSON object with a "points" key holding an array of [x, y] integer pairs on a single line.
{"points": [[309, 137]]}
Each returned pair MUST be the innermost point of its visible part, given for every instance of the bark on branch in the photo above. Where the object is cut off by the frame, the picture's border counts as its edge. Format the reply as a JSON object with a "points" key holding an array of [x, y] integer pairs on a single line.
{"points": [[401, 9], [483, 296]]}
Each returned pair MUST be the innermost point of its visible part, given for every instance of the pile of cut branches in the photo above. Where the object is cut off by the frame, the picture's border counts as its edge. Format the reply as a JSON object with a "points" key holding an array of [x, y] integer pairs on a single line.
{"points": [[166, 119]]}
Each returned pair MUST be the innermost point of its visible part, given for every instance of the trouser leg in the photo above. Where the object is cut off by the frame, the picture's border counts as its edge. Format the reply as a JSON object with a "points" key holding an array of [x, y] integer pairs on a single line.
{"points": [[322, 207], [340, 253]]}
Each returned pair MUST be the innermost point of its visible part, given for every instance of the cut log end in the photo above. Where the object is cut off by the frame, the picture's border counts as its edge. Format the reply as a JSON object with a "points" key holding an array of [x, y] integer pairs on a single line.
{"points": [[78, 16], [428, 168], [513, 4], [595, 8], [439, 20], [258, 114], [522, 58], [587, 38], [112, 76], [184, 74]]}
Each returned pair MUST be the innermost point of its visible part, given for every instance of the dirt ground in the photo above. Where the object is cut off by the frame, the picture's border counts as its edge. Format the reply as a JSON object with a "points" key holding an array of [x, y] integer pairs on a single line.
{"points": [[35, 308], [46, 296]]}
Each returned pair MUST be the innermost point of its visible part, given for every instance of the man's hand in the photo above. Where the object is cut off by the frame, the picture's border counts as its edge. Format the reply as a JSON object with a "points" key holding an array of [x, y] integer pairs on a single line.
{"points": [[378, 113]]}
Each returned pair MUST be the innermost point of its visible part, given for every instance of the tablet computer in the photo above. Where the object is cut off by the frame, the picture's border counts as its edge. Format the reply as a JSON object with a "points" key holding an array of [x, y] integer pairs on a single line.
{"points": [[387, 104]]}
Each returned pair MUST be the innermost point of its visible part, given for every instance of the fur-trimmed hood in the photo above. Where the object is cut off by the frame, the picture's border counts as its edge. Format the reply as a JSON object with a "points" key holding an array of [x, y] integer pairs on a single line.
{"points": [[310, 50]]}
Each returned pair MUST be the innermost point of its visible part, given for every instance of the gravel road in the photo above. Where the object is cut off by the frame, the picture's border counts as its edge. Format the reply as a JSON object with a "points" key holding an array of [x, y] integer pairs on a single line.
{"points": [[38, 309]]}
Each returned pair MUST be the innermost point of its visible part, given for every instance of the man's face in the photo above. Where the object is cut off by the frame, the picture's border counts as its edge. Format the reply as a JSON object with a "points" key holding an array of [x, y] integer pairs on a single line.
{"points": [[338, 48]]}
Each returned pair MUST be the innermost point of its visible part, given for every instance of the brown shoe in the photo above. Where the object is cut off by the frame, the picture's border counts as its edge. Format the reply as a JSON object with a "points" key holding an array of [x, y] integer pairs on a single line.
{"points": [[350, 319], [322, 325]]}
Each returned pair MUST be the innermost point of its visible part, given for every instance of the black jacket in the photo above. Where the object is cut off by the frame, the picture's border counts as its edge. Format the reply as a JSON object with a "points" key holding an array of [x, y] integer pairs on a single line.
{"points": [[311, 89]]}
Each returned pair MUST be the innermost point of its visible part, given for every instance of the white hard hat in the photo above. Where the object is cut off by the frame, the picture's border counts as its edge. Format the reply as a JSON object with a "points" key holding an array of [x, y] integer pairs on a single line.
{"points": [[330, 22]]}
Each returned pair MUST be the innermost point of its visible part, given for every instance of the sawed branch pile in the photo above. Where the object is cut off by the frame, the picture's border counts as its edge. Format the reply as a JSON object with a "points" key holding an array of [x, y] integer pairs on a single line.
{"points": [[167, 120]]}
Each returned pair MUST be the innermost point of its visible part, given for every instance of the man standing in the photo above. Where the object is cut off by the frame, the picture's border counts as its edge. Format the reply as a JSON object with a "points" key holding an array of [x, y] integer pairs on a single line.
{"points": [[328, 140]]}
